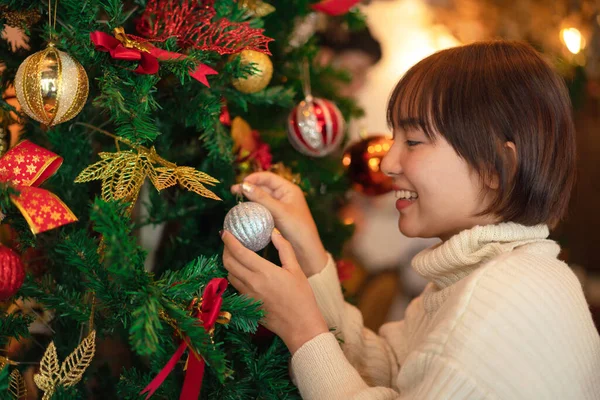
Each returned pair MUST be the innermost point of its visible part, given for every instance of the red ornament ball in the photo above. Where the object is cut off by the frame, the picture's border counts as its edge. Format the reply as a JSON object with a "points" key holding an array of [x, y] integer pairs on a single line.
{"points": [[12, 273], [316, 127], [363, 160]]}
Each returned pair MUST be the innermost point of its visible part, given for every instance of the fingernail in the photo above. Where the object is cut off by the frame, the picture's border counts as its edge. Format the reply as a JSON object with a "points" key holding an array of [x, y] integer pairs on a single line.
{"points": [[276, 231], [247, 187]]}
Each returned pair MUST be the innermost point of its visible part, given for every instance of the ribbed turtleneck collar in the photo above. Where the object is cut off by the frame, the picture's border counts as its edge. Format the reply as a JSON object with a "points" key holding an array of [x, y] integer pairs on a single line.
{"points": [[454, 259]]}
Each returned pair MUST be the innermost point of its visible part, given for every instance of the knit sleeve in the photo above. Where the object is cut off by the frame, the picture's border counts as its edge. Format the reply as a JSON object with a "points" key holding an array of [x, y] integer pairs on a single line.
{"points": [[371, 355], [321, 371]]}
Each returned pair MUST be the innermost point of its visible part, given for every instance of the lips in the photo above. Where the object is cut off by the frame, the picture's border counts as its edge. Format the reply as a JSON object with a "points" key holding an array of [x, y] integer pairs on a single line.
{"points": [[405, 197]]}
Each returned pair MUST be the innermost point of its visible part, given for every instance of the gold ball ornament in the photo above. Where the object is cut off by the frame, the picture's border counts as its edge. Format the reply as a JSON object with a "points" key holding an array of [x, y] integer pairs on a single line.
{"points": [[260, 79], [51, 86]]}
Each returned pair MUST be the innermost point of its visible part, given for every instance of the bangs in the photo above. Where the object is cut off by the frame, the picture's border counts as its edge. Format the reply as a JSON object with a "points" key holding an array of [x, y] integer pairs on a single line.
{"points": [[416, 101], [450, 94]]}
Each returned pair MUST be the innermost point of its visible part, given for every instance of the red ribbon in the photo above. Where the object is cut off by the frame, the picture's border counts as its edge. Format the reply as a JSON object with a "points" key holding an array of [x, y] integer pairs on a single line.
{"points": [[145, 53], [212, 299], [335, 7], [25, 166]]}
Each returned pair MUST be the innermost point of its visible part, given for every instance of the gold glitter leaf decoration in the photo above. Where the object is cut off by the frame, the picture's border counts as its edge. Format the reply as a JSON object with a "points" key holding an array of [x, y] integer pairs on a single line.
{"points": [[70, 372], [127, 181], [166, 178], [194, 181], [150, 172], [17, 385], [48, 376], [105, 167], [76, 363]]}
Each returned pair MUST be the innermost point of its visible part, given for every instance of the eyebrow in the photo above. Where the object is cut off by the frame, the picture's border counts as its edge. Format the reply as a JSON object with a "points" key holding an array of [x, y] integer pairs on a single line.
{"points": [[408, 122]]}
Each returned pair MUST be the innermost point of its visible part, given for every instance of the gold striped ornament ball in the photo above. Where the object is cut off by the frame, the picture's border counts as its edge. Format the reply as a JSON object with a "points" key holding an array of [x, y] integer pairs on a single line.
{"points": [[52, 87]]}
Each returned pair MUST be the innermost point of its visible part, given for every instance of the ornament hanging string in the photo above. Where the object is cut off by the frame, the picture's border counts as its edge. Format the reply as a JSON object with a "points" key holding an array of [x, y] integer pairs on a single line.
{"points": [[306, 80], [52, 24]]}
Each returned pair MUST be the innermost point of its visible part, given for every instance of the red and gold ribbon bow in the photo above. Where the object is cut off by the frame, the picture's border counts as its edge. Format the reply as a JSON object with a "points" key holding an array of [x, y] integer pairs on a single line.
{"points": [[209, 313], [130, 48], [335, 7], [26, 166]]}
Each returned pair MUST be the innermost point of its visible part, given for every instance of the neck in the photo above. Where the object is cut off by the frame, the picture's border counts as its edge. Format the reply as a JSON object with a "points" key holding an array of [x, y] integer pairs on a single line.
{"points": [[483, 220]]}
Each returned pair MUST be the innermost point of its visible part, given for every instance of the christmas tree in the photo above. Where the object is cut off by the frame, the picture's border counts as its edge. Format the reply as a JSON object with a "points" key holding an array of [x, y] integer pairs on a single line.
{"points": [[185, 98]]}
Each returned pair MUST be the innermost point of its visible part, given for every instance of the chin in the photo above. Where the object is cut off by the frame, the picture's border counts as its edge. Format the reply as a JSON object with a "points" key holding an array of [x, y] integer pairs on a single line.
{"points": [[415, 230], [409, 230]]}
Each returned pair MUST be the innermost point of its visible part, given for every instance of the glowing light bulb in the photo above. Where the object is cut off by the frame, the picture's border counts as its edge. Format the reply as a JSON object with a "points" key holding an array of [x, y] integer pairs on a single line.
{"points": [[572, 39], [346, 160], [374, 164]]}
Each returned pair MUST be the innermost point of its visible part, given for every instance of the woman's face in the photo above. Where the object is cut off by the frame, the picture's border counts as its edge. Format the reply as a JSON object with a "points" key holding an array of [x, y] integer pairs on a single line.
{"points": [[438, 193]]}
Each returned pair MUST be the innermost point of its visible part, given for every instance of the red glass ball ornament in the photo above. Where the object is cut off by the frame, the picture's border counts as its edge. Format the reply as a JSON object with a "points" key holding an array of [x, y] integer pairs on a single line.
{"points": [[316, 127], [12, 273], [363, 165]]}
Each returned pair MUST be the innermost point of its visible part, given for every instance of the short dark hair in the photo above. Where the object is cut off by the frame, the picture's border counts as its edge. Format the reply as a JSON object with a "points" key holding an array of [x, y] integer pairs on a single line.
{"points": [[482, 95]]}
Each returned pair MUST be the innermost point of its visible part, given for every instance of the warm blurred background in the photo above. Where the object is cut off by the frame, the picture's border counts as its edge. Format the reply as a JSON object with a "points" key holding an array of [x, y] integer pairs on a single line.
{"points": [[401, 33]]}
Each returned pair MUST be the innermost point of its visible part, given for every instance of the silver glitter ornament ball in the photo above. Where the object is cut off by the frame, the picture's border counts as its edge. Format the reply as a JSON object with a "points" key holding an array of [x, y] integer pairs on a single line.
{"points": [[251, 223]]}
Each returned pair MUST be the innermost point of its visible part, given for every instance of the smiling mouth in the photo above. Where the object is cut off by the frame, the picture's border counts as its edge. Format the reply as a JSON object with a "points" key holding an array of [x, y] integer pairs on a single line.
{"points": [[406, 195]]}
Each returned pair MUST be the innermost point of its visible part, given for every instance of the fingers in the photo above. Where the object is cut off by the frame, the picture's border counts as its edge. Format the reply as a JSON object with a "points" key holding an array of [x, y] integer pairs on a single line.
{"points": [[258, 195], [237, 189], [285, 249], [268, 180], [249, 259], [236, 268], [238, 284]]}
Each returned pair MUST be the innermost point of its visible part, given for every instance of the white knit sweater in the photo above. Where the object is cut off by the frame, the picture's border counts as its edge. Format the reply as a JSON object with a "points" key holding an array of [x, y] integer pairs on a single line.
{"points": [[502, 318]]}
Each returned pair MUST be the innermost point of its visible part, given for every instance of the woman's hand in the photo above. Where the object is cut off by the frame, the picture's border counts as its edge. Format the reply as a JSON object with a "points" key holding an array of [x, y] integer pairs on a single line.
{"points": [[288, 301], [292, 216]]}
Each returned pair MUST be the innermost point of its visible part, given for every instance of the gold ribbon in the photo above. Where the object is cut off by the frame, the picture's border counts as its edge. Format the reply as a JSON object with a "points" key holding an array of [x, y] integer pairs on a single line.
{"points": [[122, 37]]}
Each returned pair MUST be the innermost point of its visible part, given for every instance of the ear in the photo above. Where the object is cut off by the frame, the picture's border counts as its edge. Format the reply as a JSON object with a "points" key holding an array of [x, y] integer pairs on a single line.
{"points": [[510, 150], [510, 157]]}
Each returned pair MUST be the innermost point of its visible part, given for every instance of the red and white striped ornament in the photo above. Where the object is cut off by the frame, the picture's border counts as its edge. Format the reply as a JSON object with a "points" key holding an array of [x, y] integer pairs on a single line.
{"points": [[316, 127]]}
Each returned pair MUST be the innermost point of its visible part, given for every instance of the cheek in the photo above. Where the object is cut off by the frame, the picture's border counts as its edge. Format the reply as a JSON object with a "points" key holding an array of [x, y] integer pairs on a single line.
{"points": [[440, 177]]}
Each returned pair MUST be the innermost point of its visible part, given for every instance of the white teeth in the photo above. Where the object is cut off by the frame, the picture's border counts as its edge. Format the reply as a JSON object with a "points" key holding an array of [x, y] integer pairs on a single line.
{"points": [[406, 194]]}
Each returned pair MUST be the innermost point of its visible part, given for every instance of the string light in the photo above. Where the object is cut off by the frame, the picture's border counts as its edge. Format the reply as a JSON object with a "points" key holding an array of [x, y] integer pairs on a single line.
{"points": [[572, 39]]}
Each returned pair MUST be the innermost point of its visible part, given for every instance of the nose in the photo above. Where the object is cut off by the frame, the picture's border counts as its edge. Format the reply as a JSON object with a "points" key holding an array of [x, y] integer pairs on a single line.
{"points": [[390, 164]]}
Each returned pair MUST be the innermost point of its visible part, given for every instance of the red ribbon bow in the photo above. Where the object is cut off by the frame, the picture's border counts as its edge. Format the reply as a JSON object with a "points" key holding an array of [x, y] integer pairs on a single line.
{"points": [[335, 7], [26, 166], [210, 310], [123, 47]]}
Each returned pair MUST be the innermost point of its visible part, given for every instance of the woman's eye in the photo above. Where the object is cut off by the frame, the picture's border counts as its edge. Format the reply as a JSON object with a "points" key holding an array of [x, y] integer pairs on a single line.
{"points": [[412, 143]]}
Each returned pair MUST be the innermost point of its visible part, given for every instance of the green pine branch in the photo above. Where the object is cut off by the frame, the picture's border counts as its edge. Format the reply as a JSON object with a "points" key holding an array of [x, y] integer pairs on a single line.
{"points": [[14, 326]]}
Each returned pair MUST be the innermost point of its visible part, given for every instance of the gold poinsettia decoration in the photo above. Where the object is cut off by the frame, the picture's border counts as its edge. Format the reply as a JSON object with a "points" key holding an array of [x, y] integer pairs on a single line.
{"points": [[70, 371], [123, 173]]}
